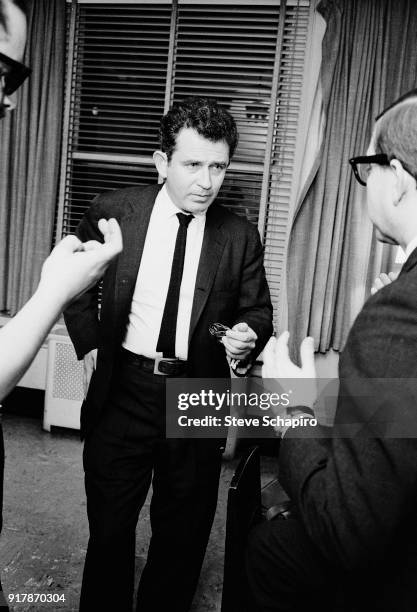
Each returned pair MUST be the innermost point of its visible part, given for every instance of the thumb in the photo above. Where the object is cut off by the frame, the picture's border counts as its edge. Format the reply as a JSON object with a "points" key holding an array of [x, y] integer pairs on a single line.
{"points": [[69, 244], [307, 356], [92, 245], [242, 327], [112, 233]]}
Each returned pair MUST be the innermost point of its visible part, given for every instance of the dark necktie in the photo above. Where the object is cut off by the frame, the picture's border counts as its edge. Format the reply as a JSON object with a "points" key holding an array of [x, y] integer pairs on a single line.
{"points": [[166, 340]]}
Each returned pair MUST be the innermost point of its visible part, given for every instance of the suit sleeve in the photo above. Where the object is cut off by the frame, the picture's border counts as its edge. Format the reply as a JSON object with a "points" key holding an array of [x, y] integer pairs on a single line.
{"points": [[355, 492], [254, 305], [81, 316]]}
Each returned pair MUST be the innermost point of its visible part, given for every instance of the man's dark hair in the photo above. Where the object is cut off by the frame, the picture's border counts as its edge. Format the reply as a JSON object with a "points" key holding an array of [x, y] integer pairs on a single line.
{"points": [[21, 4], [205, 116], [396, 131]]}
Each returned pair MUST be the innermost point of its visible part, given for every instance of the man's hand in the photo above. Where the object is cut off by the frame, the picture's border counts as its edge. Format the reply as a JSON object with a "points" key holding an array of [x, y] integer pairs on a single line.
{"points": [[382, 280], [239, 341], [90, 364], [74, 266], [299, 383]]}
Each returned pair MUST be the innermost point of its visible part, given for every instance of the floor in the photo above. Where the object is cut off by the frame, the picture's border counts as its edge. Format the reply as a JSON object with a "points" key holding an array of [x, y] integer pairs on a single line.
{"points": [[45, 531]]}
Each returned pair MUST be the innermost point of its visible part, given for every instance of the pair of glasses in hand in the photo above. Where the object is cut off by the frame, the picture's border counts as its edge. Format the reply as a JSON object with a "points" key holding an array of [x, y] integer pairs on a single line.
{"points": [[218, 330]]}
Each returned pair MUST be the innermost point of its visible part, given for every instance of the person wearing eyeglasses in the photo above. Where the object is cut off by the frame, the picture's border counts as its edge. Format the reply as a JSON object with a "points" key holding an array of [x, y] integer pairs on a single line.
{"points": [[351, 541], [71, 268]]}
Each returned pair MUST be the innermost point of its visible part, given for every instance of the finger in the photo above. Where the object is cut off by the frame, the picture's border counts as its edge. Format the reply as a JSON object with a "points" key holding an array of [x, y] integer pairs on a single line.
{"points": [[237, 336], [239, 345], [113, 237], [69, 244], [91, 245], [233, 351], [269, 350], [281, 350], [268, 357], [385, 279], [392, 276], [247, 336], [104, 227], [378, 284], [307, 356]]}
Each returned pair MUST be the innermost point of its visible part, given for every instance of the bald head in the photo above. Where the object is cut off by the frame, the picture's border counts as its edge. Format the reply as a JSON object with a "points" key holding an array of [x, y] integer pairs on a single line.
{"points": [[395, 132]]}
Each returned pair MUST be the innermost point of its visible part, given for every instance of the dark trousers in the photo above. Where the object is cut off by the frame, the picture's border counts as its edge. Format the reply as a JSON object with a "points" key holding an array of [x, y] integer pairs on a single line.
{"points": [[121, 455], [285, 571]]}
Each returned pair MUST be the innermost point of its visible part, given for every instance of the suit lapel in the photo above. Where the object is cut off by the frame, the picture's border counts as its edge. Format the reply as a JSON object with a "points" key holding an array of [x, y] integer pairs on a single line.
{"points": [[410, 262], [134, 227], [211, 251]]}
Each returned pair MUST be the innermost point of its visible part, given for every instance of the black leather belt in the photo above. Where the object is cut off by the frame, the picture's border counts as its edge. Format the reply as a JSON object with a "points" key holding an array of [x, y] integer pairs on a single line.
{"points": [[163, 366]]}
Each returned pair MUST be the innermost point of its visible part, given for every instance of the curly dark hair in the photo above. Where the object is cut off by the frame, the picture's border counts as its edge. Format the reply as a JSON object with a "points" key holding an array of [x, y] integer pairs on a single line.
{"points": [[22, 4], [205, 116]]}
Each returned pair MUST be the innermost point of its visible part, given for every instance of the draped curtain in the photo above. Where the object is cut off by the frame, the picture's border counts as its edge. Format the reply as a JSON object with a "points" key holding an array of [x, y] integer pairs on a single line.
{"points": [[369, 58], [29, 157]]}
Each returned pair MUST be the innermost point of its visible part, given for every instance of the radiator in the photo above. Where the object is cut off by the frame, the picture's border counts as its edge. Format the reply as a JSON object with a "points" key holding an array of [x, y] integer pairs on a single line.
{"points": [[64, 383]]}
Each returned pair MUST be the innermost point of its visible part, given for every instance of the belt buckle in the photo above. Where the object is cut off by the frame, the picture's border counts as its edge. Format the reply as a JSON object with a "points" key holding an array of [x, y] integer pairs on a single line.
{"points": [[159, 360]]}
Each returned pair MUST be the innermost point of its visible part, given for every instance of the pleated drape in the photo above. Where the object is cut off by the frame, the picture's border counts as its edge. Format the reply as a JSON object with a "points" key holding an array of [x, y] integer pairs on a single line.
{"points": [[30, 156], [369, 59]]}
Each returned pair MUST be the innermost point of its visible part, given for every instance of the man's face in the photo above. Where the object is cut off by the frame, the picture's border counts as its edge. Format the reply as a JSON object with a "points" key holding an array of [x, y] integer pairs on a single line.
{"points": [[196, 171], [380, 197], [12, 44]]}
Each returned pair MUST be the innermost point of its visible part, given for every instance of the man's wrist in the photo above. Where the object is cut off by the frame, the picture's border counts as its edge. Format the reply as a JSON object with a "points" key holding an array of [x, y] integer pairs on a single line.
{"points": [[297, 415], [242, 367]]}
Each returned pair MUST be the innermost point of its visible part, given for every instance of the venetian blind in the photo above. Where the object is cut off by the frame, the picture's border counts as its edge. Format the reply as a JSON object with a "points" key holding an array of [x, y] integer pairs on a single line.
{"points": [[129, 62]]}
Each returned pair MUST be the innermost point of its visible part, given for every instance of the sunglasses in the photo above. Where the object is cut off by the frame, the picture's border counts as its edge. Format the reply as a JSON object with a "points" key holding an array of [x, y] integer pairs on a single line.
{"points": [[14, 76]]}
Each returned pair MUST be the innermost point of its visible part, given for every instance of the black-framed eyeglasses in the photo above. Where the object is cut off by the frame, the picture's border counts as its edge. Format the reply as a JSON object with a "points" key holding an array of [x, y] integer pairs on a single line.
{"points": [[361, 165], [15, 74]]}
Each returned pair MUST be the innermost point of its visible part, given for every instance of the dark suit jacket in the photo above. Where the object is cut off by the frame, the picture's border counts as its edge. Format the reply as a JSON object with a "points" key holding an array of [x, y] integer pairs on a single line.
{"points": [[230, 287], [357, 496]]}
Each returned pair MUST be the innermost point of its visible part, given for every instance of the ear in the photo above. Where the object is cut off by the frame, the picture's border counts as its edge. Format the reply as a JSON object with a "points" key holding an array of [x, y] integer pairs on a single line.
{"points": [[404, 181], [161, 163]]}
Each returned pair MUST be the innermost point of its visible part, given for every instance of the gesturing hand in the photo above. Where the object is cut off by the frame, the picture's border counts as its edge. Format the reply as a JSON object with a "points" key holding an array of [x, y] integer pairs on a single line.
{"points": [[298, 382], [74, 266]]}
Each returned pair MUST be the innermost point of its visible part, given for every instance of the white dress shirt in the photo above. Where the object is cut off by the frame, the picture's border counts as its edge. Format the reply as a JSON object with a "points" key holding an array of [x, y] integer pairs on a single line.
{"points": [[153, 280]]}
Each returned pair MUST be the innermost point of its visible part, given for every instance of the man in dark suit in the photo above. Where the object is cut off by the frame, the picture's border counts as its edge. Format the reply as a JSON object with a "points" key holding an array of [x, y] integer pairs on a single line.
{"points": [[351, 543], [187, 263]]}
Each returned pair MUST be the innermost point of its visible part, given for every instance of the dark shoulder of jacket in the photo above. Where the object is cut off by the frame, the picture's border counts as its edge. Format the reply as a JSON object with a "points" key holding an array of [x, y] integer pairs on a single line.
{"points": [[121, 202], [230, 220]]}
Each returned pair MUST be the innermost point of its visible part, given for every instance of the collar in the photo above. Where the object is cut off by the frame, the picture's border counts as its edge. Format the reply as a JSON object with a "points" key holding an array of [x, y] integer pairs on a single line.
{"points": [[165, 208], [410, 247]]}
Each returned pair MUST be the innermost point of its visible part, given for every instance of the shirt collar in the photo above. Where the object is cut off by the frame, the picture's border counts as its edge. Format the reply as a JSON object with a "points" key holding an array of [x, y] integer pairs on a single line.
{"points": [[165, 207], [410, 247]]}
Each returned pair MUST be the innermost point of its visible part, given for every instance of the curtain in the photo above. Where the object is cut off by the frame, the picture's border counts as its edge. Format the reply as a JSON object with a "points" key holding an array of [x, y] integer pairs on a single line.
{"points": [[29, 157], [369, 58]]}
